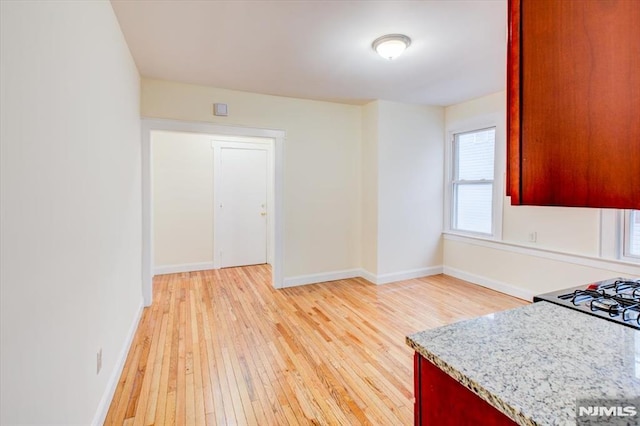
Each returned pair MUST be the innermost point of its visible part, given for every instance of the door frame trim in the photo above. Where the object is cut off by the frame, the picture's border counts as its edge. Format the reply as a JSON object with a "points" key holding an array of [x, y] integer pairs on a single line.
{"points": [[151, 124]]}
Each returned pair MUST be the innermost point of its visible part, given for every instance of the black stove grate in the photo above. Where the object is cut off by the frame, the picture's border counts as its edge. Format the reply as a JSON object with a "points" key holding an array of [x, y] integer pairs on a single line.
{"points": [[617, 299]]}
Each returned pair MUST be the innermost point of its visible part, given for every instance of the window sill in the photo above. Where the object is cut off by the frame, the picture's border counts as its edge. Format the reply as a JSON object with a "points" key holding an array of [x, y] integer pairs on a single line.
{"points": [[471, 235], [633, 260]]}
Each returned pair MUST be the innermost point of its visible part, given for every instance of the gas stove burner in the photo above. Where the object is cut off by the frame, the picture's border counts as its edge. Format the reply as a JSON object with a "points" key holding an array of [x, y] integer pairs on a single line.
{"points": [[617, 300], [580, 296], [632, 314], [609, 305], [624, 285]]}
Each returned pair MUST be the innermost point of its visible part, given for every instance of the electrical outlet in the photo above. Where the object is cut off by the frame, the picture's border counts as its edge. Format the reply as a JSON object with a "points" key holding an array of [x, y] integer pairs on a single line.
{"points": [[99, 361], [533, 237]]}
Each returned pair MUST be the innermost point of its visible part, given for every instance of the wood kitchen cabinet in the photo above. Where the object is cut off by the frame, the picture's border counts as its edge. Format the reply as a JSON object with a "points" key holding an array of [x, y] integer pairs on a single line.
{"points": [[442, 401], [573, 94]]}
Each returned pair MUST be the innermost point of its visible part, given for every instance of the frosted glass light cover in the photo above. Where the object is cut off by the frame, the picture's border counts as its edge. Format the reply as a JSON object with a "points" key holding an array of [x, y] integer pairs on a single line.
{"points": [[391, 49], [391, 46]]}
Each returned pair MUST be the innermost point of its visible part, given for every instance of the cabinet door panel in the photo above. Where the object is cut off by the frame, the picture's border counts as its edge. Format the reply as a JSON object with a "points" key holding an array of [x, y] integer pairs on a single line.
{"points": [[579, 105], [442, 401]]}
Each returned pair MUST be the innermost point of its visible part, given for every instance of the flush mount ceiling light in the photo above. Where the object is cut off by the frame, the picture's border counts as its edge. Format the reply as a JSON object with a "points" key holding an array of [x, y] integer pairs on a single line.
{"points": [[391, 46]]}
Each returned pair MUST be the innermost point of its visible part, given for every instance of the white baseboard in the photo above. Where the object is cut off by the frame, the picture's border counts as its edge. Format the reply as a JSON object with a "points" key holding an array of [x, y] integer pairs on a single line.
{"points": [[489, 283], [407, 275], [321, 278], [369, 276], [355, 273], [107, 396], [185, 267]]}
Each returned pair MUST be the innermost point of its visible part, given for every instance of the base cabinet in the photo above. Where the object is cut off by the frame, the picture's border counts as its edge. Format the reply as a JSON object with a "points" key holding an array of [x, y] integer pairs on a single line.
{"points": [[442, 401]]}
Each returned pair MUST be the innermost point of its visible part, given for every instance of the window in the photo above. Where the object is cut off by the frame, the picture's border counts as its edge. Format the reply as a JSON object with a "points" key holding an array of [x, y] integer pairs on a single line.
{"points": [[632, 234], [472, 181]]}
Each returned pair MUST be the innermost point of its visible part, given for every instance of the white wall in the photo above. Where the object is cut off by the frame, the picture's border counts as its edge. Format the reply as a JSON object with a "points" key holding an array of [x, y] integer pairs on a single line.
{"points": [[70, 208], [182, 199], [363, 185], [410, 187], [568, 239], [569, 230], [526, 272], [369, 194], [402, 191], [321, 166]]}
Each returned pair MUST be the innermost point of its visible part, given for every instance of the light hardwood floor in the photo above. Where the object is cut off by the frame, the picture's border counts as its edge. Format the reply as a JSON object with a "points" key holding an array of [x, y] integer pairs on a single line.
{"points": [[223, 347]]}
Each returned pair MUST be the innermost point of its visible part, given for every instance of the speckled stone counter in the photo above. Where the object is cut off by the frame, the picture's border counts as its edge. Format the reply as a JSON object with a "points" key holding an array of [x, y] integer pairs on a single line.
{"points": [[533, 362]]}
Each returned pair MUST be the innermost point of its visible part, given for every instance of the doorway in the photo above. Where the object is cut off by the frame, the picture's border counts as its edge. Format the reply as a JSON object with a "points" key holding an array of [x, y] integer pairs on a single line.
{"points": [[254, 144]]}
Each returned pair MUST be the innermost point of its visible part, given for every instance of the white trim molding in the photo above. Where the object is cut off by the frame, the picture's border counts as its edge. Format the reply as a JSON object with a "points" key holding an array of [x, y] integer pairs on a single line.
{"points": [[369, 276], [361, 273], [184, 267], [321, 278], [485, 121], [614, 234], [489, 283], [577, 259], [610, 235], [110, 390], [216, 130], [401, 275]]}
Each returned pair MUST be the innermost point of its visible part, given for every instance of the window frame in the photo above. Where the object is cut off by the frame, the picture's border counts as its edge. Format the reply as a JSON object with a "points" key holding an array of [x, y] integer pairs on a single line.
{"points": [[614, 236], [497, 182], [625, 237]]}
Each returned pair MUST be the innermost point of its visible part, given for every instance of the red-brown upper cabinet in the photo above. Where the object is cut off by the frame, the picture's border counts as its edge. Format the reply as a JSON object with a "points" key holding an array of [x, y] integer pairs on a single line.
{"points": [[573, 95]]}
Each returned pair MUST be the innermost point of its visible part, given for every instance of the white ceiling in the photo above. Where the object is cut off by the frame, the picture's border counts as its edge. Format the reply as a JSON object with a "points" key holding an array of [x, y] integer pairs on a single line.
{"points": [[322, 49]]}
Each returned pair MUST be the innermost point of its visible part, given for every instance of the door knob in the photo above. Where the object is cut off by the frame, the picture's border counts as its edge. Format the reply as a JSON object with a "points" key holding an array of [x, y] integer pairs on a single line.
{"points": [[263, 214]]}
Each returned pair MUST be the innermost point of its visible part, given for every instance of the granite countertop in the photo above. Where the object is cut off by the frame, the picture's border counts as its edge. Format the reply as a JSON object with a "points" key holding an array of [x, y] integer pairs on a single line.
{"points": [[533, 362]]}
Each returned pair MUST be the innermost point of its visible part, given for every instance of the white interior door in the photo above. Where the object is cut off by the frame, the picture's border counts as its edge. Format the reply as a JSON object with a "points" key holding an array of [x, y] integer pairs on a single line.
{"points": [[241, 206]]}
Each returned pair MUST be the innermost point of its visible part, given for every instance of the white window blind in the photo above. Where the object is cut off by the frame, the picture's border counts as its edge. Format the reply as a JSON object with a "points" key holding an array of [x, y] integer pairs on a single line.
{"points": [[472, 182]]}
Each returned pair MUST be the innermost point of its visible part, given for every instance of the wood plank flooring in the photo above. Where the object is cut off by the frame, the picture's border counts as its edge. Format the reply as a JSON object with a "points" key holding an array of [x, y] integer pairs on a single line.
{"points": [[223, 347]]}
